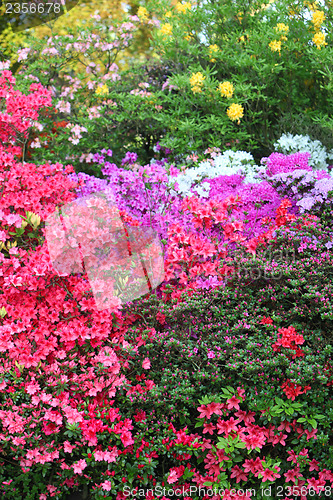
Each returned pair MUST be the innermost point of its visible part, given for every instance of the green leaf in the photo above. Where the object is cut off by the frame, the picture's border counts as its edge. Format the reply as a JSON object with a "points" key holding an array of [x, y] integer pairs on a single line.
{"points": [[240, 445], [226, 391], [220, 446]]}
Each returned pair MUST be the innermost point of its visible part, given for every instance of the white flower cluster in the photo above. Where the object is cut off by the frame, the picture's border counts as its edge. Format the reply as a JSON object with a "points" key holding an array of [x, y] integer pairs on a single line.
{"points": [[4, 65], [227, 163], [289, 144]]}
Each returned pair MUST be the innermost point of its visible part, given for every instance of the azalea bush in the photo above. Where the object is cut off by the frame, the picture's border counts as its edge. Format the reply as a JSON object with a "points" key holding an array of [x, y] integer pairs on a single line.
{"points": [[249, 335], [320, 157], [39, 370], [308, 189], [221, 376]]}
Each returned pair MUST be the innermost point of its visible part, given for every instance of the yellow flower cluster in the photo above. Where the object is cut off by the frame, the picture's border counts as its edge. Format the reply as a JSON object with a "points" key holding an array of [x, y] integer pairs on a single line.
{"points": [[311, 6], [282, 27], [275, 46], [183, 7], [188, 36], [8, 245], [319, 40], [293, 13], [166, 29], [30, 218], [168, 14], [235, 112], [196, 82], [213, 49], [103, 90], [226, 89], [318, 18], [142, 14]]}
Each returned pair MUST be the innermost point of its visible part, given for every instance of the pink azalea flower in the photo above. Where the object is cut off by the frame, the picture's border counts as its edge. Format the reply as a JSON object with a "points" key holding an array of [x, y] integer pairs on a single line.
{"points": [[268, 475], [106, 486], [238, 473], [79, 466], [68, 448], [233, 403], [146, 364], [173, 476]]}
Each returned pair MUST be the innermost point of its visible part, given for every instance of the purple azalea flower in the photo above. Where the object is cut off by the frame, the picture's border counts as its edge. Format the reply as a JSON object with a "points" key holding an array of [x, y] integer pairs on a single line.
{"points": [[129, 158]]}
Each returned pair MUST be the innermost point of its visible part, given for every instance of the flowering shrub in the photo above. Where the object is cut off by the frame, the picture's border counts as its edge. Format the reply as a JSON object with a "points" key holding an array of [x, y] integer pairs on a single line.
{"points": [[154, 193], [143, 103], [292, 176], [248, 337], [228, 163], [278, 163], [268, 43], [289, 143], [82, 374], [82, 101], [49, 326], [106, 401], [308, 190]]}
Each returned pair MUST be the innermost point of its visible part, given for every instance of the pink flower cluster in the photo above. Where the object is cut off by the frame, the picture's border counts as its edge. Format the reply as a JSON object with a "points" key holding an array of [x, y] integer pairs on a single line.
{"points": [[277, 163], [19, 111], [50, 328], [290, 339], [194, 254], [241, 432], [25, 186]]}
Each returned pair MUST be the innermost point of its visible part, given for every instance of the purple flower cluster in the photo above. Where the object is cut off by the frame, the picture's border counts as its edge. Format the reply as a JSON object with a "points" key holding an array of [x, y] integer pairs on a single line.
{"points": [[278, 163], [143, 193], [146, 194], [91, 184], [129, 158], [258, 200], [306, 190]]}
